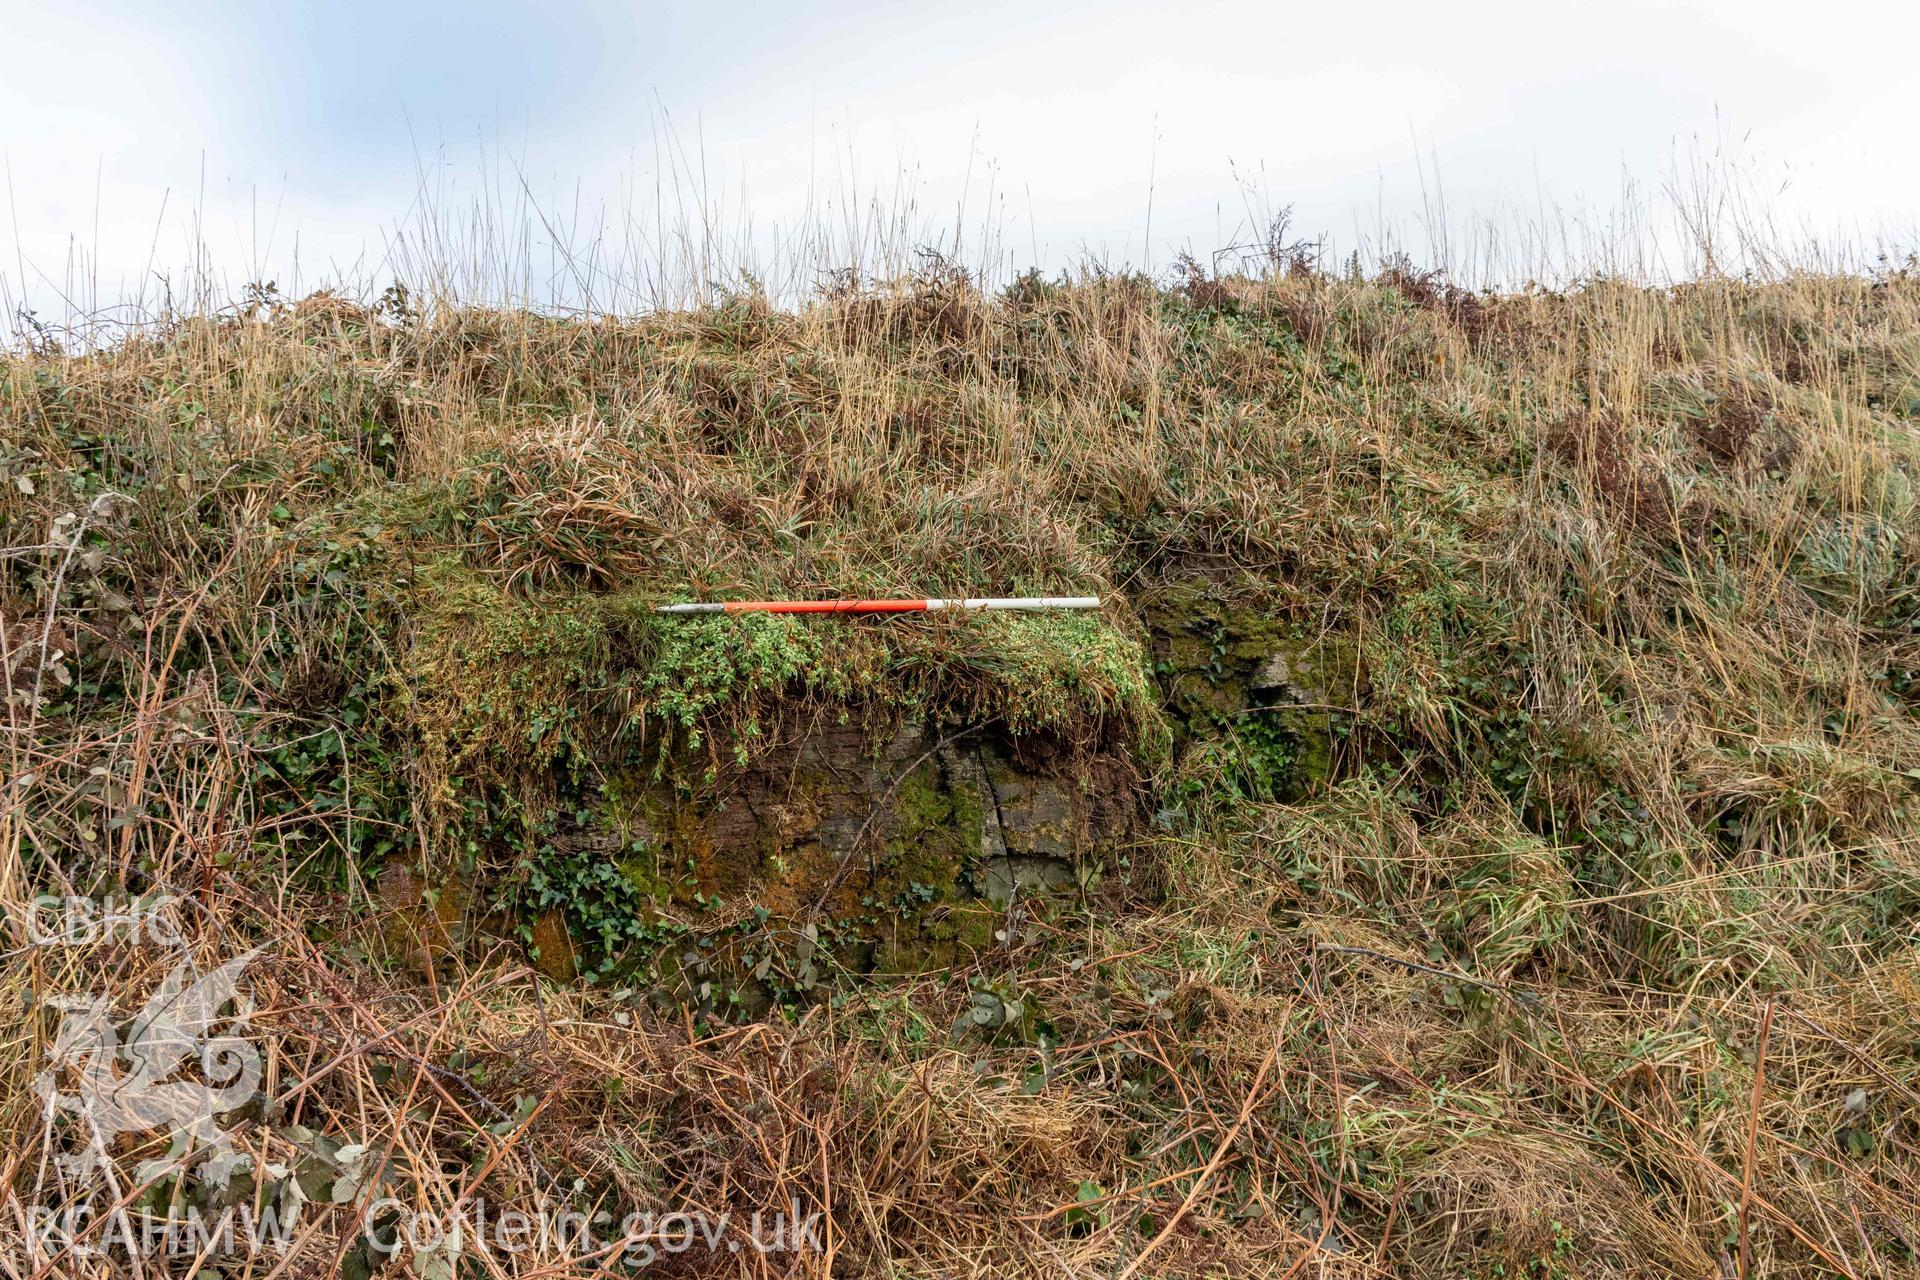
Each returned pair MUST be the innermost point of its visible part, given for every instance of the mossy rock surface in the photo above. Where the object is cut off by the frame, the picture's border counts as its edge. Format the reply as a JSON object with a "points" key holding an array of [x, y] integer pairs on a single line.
{"points": [[422, 915], [909, 844], [752, 765], [1246, 683]]}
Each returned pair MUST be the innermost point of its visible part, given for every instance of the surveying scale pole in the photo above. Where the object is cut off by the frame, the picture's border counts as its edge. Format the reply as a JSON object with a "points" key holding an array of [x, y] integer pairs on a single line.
{"points": [[884, 606]]}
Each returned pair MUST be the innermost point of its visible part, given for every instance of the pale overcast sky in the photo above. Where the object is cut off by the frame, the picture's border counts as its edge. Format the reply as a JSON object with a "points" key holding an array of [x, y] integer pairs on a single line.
{"points": [[284, 129]]}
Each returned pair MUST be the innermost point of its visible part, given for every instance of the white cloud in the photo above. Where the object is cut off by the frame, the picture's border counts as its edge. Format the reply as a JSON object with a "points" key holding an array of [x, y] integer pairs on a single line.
{"points": [[273, 129]]}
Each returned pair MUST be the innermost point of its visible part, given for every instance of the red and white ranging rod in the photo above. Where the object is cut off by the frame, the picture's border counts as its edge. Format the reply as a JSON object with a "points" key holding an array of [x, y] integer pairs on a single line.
{"points": [[884, 606]]}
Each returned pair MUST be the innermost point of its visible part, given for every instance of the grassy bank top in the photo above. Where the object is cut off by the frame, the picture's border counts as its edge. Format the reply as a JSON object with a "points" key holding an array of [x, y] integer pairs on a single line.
{"points": [[1691, 505]]}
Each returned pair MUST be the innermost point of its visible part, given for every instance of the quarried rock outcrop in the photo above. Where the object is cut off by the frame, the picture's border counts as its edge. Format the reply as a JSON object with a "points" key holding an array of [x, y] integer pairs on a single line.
{"points": [[918, 842]]}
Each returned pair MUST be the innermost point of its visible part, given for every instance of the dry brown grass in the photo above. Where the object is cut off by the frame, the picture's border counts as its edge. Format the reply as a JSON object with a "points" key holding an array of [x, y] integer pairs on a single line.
{"points": [[1593, 955]]}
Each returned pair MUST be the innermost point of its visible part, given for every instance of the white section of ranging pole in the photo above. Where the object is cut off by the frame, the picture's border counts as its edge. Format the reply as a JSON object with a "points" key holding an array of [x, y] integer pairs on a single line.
{"points": [[1017, 602]]}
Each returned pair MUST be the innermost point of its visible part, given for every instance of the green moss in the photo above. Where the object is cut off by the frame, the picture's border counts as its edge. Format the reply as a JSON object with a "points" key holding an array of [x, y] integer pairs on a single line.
{"points": [[503, 677], [935, 834], [529, 681], [1247, 691], [700, 668]]}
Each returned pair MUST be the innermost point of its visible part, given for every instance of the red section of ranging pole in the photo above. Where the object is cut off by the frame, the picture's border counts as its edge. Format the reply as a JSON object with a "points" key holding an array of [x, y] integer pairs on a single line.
{"points": [[884, 606]]}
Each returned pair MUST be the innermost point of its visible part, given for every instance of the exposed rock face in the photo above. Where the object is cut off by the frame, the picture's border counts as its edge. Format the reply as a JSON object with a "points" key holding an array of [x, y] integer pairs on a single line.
{"points": [[908, 846], [923, 837], [1036, 827], [1228, 667], [1275, 682]]}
